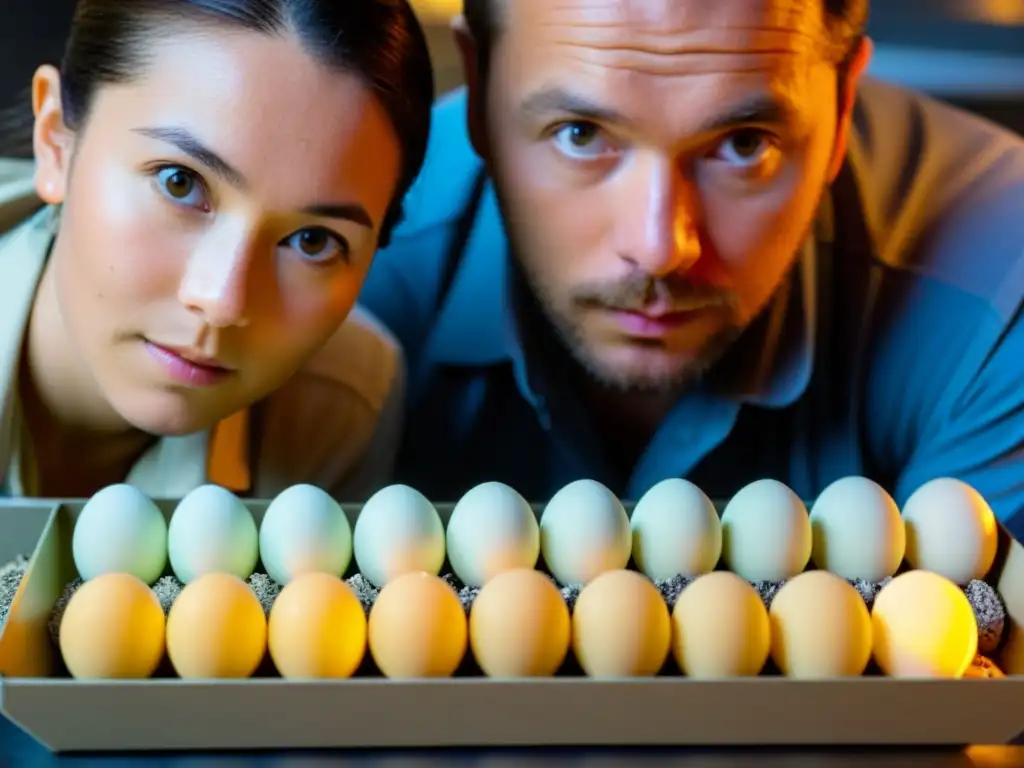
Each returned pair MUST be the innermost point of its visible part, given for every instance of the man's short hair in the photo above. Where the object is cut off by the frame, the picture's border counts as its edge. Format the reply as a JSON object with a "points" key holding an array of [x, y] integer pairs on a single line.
{"points": [[845, 21]]}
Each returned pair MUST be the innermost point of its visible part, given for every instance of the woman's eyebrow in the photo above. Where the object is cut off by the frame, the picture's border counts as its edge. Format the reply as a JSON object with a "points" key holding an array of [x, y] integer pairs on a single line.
{"points": [[189, 144]]}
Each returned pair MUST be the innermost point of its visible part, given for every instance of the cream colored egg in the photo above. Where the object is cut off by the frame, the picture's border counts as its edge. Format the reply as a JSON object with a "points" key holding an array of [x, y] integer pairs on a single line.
{"points": [[951, 530], [113, 627], [766, 532], [519, 625], [398, 531], [417, 628], [621, 626], [676, 531], [584, 532], [924, 627], [492, 529], [857, 530], [720, 628], [820, 628]]}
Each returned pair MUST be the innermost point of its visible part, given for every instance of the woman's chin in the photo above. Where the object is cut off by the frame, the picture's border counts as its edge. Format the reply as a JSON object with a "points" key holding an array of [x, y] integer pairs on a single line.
{"points": [[168, 414]]}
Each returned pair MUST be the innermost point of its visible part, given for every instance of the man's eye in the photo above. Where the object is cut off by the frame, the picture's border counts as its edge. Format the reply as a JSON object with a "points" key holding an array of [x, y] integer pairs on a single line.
{"points": [[582, 140], [745, 149]]}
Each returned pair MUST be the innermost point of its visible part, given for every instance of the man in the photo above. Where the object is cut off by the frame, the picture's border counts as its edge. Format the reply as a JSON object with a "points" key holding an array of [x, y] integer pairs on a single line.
{"points": [[705, 246]]}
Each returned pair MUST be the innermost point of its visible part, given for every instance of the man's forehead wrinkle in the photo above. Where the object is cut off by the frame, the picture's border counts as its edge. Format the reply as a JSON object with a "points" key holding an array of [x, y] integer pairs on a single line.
{"points": [[696, 66], [674, 27]]}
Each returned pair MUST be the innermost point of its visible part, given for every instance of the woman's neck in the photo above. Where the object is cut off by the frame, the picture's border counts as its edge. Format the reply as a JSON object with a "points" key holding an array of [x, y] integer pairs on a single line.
{"points": [[80, 443]]}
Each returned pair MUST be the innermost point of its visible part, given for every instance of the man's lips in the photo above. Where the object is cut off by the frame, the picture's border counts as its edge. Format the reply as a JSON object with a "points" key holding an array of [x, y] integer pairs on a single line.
{"points": [[655, 322]]}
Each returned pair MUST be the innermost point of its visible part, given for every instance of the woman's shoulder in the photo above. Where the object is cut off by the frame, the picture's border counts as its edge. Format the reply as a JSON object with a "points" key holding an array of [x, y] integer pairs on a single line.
{"points": [[18, 200], [337, 422], [362, 358]]}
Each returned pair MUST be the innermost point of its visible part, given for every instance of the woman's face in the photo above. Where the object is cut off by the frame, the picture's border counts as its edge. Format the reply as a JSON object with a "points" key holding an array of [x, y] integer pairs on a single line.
{"points": [[220, 214]]}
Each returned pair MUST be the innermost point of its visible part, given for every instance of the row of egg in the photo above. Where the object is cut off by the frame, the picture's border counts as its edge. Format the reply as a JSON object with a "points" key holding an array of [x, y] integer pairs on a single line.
{"points": [[765, 533], [921, 625]]}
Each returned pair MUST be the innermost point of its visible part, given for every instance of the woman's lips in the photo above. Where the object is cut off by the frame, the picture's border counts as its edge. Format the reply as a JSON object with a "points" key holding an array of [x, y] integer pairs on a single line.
{"points": [[186, 370]]}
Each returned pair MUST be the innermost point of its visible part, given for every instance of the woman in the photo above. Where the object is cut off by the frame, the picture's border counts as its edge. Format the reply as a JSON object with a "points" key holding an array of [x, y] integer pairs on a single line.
{"points": [[210, 181]]}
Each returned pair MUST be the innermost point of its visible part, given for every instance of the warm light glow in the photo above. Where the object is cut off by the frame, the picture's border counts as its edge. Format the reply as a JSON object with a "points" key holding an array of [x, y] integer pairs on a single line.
{"points": [[1008, 12], [437, 10]]}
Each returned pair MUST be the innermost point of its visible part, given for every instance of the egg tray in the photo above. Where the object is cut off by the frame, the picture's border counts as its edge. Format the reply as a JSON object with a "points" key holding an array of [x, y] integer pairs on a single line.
{"points": [[470, 710]]}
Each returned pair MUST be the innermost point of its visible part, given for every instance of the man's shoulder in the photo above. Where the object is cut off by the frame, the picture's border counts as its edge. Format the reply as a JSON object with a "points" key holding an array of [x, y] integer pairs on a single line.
{"points": [[942, 193]]}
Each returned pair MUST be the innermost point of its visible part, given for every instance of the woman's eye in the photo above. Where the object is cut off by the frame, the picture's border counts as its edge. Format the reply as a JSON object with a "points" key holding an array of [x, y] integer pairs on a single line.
{"points": [[182, 187], [582, 140], [745, 149], [318, 245]]}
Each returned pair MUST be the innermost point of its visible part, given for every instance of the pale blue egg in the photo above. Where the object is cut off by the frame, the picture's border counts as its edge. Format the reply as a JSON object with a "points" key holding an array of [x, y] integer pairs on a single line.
{"points": [[120, 530], [212, 531], [303, 531]]}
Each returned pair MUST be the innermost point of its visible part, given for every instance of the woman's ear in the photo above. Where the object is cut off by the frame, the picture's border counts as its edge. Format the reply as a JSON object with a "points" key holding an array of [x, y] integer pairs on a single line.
{"points": [[52, 141], [858, 64], [475, 98]]}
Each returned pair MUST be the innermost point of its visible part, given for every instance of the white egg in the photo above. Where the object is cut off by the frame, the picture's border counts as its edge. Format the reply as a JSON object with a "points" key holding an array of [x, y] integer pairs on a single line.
{"points": [[398, 531], [951, 530], [212, 531], [120, 530], [584, 531], [304, 531], [676, 531], [491, 529], [857, 530], [766, 532]]}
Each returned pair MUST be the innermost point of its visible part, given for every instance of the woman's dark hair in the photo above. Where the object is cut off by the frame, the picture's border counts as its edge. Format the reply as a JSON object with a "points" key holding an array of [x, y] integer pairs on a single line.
{"points": [[379, 40]]}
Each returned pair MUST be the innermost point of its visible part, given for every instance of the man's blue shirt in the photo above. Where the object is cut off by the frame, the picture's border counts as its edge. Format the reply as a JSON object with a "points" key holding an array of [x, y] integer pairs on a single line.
{"points": [[894, 351]]}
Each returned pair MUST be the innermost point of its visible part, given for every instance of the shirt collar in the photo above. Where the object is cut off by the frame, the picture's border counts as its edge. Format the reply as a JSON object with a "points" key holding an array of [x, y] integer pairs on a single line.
{"points": [[173, 465], [770, 366]]}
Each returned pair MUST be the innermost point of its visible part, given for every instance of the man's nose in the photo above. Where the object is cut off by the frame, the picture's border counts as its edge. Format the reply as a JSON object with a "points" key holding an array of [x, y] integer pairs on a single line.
{"points": [[214, 285], [658, 231]]}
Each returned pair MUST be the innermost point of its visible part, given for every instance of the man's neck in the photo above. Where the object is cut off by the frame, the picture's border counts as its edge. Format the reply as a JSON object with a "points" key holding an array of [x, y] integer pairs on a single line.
{"points": [[625, 422]]}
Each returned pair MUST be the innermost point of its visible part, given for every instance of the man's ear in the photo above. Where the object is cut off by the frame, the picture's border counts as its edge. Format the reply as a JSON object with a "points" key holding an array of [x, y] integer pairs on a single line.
{"points": [[52, 141], [475, 104], [858, 64]]}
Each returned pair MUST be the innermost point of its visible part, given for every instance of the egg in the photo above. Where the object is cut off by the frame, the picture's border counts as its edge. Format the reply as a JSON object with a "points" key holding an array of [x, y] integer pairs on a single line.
{"points": [[212, 531], [216, 628], [766, 532], [112, 627], [584, 532], [951, 530], [519, 625], [820, 628], [857, 531], [417, 628], [491, 529], [304, 531], [621, 626], [317, 628], [120, 530], [924, 627], [720, 628], [398, 531], [676, 531]]}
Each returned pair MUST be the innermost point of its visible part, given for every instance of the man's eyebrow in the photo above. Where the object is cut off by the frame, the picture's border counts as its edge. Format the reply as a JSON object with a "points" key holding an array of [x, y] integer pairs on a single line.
{"points": [[760, 109], [186, 142], [558, 101]]}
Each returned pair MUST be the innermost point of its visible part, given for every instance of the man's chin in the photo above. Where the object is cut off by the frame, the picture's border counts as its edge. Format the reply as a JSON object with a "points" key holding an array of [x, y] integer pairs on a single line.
{"points": [[638, 369]]}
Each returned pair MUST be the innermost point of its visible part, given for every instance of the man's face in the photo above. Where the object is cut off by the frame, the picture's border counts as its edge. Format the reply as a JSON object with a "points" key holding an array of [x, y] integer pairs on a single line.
{"points": [[659, 163]]}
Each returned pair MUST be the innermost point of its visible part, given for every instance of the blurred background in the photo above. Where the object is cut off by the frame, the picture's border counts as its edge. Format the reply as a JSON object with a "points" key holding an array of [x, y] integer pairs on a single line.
{"points": [[968, 52]]}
